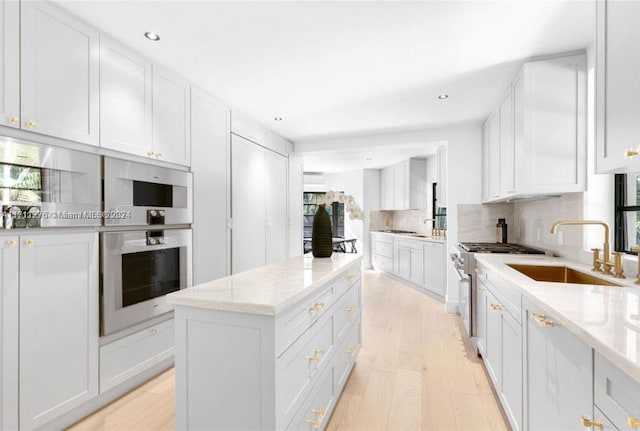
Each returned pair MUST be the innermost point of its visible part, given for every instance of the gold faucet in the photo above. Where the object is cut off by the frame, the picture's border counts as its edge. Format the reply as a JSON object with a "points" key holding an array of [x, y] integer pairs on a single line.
{"points": [[603, 264]]}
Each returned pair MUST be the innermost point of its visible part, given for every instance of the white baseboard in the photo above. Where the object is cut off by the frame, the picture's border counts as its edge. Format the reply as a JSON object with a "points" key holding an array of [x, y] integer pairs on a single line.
{"points": [[451, 306]]}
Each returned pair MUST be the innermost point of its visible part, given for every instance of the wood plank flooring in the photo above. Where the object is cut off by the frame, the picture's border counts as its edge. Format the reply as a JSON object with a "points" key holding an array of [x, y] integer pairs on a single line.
{"points": [[415, 371]]}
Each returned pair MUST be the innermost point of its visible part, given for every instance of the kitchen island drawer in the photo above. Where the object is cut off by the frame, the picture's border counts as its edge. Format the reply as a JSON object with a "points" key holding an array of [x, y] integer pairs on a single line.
{"points": [[616, 394], [299, 367], [293, 323], [131, 355], [315, 413], [346, 354], [350, 278], [346, 312]]}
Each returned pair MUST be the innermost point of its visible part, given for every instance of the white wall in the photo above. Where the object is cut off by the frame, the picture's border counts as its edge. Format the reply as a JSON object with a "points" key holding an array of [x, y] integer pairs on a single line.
{"points": [[463, 173], [371, 200]]}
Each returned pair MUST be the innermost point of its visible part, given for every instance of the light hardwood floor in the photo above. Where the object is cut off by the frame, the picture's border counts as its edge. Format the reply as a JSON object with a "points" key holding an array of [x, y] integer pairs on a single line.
{"points": [[415, 371]]}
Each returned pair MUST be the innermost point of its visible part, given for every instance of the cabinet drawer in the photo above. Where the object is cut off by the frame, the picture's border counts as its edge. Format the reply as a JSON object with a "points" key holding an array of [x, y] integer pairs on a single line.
{"points": [[410, 244], [346, 311], [508, 295], [247, 129], [382, 237], [616, 394], [598, 416], [346, 355], [316, 411], [382, 249], [135, 353], [293, 324], [348, 279], [383, 263], [299, 367]]}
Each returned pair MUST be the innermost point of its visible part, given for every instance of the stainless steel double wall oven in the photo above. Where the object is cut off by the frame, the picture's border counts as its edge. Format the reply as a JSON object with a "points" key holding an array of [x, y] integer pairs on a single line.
{"points": [[152, 257]]}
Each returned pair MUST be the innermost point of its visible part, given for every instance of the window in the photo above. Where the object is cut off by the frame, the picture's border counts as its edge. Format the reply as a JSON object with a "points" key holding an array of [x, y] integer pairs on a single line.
{"points": [[627, 211], [336, 212]]}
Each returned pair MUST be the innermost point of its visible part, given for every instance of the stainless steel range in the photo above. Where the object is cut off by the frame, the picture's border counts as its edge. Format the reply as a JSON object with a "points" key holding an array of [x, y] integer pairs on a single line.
{"points": [[464, 264]]}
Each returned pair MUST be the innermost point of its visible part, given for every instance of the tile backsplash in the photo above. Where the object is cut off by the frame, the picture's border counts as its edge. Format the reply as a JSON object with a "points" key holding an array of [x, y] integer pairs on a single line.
{"points": [[409, 220], [477, 222]]}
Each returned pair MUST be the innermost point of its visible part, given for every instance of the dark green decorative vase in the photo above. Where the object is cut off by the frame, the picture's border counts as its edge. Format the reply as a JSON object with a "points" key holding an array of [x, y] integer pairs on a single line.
{"points": [[321, 235]]}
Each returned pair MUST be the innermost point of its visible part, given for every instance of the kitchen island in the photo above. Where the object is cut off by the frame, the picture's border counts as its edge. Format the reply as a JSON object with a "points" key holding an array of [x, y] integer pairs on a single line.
{"points": [[269, 348]]}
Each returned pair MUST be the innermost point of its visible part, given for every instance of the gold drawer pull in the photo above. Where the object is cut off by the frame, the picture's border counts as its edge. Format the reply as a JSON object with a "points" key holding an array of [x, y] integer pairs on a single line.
{"points": [[631, 153], [496, 306], [351, 277], [31, 124], [316, 307], [154, 331], [482, 289], [29, 242], [313, 358], [541, 319], [633, 422], [319, 351], [314, 423], [589, 423], [14, 120], [351, 309], [352, 350], [319, 412], [11, 243], [477, 271]]}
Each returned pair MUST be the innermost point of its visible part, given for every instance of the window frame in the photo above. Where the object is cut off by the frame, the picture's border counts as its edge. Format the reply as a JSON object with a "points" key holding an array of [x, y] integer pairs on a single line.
{"points": [[336, 226], [620, 236]]}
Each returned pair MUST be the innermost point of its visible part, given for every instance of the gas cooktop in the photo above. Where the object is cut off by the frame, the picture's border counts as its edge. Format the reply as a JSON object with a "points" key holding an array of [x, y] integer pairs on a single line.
{"points": [[496, 247]]}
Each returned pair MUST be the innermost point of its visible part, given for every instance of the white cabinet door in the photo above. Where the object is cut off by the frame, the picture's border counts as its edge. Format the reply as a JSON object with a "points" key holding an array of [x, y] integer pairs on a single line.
{"points": [[434, 267], [402, 262], [60, 66], [617, 86], [494, 156], [506, 158], [9, 333], [59, 314], [125, 100], [210, 146], [493, 353], [295, 207], [247, 205], [442, 176], [10, 63], [555, 122], [485, 161], [417, 267], [387, 187], [401, 186], [558, 375], [511, 378], [171, 112], [481, 318], [277, 217]]}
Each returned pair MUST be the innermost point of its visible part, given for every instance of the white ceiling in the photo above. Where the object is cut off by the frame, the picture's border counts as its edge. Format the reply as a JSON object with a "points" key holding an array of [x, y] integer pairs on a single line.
{"points": [[333, 68]]}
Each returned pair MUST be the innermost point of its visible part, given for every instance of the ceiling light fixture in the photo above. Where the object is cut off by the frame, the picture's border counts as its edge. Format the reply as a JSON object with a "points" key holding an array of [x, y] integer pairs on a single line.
{"points": [[152, 36], [368, 158], [277, 118], [443, 96]]}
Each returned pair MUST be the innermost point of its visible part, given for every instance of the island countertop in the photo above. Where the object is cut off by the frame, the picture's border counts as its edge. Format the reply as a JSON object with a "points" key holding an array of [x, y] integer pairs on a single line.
{"points": [[607, 318], [268, 289]]}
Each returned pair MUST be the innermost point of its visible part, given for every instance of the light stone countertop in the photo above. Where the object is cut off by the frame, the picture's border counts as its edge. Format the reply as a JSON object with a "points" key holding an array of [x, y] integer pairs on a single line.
{"points": [[426, 238], [268, 289], [607, 318]]}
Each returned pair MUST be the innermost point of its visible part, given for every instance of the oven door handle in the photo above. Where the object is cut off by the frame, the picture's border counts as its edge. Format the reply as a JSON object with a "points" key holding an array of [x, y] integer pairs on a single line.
{"points": [[461, 276]]}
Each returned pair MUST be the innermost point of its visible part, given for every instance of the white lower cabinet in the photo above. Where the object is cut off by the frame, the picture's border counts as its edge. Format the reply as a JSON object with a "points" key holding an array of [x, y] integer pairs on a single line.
{"points": [[599, 417], [558, 374], [131, 355], [9, 297], [481, 318], [408, 261], [616, 396], [434, 268], [58, 324]]}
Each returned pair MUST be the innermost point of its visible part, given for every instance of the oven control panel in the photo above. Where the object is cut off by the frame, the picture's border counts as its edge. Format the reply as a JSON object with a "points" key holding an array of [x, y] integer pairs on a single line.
{"points": [[155, 217], [155, 237]]}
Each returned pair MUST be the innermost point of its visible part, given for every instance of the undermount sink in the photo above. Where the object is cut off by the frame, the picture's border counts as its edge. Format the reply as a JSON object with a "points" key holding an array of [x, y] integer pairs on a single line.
{"points": [[559, 274], [419, 235]]}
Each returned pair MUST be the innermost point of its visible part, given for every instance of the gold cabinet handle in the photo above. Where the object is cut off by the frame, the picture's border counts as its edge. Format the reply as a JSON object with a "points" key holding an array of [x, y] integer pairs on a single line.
{"points": [[351, 277], [318, 351], [482, 289], [154, 331], [633, 422], [319, 412], [313, 358], [589, 423], [496, 306], [630, 153], [314, 423], [316, 307], [352, 350], [29, 242], [495, 196], [14, 120], [150, 153], [541, 319], [351, 309], [510, 191], [158, 155], [312, 309], [477, 271], [31, 124], [11, 243]]}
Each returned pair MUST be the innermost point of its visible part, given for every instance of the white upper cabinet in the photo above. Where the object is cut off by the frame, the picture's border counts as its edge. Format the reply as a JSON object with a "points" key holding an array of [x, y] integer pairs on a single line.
{"points": [[617, 86], [171, 117], [276, 206], [387, 188], [442, 176], [536, 137], [400, 174], [486, 131], [125, 100], [403, 186], [10, 63], [246, 128], [60, 66]]}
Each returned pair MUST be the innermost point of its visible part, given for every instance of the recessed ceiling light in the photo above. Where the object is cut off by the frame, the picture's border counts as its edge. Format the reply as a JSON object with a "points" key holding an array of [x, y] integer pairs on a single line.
{"points": [[277, 118], [443, 96], [152, 36], [368, 158]]}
